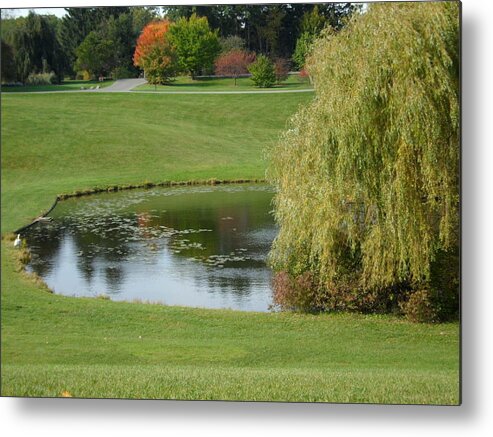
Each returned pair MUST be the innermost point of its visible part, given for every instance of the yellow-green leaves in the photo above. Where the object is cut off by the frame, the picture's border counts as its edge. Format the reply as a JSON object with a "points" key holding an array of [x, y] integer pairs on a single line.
{"points": [[372, 165]]}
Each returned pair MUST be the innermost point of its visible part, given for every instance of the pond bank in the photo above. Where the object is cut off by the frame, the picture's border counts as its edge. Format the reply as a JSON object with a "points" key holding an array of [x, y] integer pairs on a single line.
{"points": [[100, 348], [146, 184], [198, 246]]}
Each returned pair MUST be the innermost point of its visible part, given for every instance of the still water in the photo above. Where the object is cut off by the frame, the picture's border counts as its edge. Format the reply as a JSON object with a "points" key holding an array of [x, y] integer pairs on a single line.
{"points": [[203, 246]]}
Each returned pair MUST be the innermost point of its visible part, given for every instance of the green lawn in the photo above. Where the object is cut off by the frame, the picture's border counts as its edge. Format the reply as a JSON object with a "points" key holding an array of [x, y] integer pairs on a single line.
{"points": [[69, 85], [59, 143], [52, 344], [223, 84], [99, 348]]}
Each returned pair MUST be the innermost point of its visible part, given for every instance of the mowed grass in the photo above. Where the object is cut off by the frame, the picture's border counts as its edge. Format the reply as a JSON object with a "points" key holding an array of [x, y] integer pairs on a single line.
{"points": [[69, 85], [54, 345], [190, 382], [60, 143], [185, 83]]}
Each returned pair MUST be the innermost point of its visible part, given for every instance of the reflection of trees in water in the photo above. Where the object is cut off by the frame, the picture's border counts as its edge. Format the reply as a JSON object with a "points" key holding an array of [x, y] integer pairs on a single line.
{"points": [[92, 245], [230, 227], [44, 240], [86, 267], [96, 249], [238, 285], [114, 277], [100, 244]]}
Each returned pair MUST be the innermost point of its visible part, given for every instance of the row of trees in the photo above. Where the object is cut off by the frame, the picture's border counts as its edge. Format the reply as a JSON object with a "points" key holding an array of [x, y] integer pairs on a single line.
{"points": [[95, 41], [84, 39], [189, 46], [264, 72], [272, 29], [165, 48]]}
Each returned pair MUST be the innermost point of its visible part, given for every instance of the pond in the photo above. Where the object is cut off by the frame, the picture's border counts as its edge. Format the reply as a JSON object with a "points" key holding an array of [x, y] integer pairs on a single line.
{"points": [[199, 246]]}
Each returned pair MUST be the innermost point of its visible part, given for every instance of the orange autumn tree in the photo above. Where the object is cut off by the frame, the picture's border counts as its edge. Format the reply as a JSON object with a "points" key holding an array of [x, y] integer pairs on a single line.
{"points": [[155, 54]]}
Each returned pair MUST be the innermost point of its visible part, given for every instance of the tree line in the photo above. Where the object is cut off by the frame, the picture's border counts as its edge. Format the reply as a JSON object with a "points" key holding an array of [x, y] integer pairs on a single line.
{"points": [[89, 42]]}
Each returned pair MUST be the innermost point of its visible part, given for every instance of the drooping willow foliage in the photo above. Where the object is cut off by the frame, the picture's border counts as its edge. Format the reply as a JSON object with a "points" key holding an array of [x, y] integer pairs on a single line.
{"points": [[368, 174]]}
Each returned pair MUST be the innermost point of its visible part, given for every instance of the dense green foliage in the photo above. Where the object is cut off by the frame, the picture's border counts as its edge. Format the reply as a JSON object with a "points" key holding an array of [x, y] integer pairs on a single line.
{"points": [[263, 72], [78, 23], [74, 28], [95, 55], [123, 33], [368, 175], [7, 62], [312, 24], [44, 43], [313, 21], [36, 47], [302, 50], [231, 43], [108, 49], [196, 45], [270, 29]]}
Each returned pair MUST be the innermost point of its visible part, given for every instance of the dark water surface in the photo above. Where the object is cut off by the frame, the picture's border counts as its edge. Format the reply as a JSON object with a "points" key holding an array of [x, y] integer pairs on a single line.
{"points": [[203, 246]]}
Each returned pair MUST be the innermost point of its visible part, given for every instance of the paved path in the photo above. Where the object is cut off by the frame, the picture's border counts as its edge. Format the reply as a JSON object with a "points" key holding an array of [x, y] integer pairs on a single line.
{"points": [[225, 92], [123, 85], [126, 85]]}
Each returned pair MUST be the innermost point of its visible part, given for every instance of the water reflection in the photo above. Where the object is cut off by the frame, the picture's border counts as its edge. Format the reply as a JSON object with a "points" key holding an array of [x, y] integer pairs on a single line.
{"points": [[193, 246]]}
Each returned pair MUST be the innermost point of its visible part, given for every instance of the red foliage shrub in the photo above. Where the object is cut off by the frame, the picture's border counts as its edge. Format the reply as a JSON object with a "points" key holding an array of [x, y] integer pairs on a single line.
{"points": [[234, 63], [420, 307], [295, 293], [304, 76], [304, 293], [281, 66]]}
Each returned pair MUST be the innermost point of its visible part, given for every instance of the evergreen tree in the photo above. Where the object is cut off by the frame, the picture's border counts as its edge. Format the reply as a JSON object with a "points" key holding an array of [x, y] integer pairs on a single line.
{"points": [[79, 22], [312, 24], [8, 63]]}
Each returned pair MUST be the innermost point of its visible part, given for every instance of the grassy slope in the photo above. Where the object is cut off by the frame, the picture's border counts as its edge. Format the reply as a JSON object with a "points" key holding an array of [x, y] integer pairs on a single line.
{"points": [[60, 143], [97, 348], [70, 85], [223, 84]]}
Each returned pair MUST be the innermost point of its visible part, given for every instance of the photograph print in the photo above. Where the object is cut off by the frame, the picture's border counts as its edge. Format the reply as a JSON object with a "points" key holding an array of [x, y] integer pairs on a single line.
{"points": [[235, 202]]}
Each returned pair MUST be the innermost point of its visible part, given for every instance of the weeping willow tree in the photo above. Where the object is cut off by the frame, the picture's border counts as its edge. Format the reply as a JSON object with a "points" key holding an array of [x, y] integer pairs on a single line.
{"points": [[367, 175]]}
